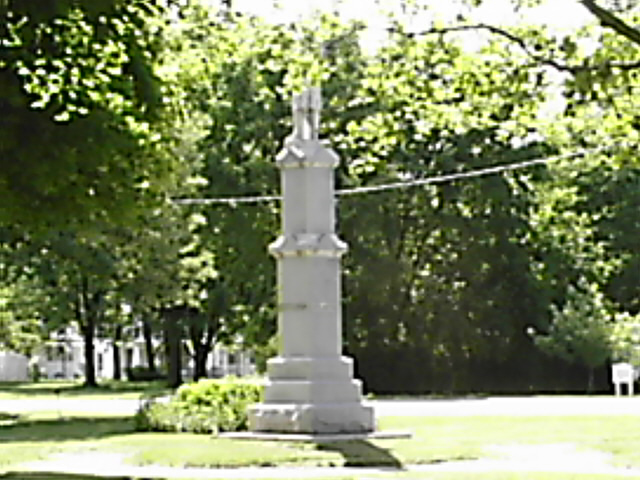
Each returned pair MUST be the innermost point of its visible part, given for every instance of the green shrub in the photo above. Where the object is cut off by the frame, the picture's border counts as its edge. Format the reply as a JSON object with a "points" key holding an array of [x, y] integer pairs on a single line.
{"points": [[207, 406], [173, 417]]}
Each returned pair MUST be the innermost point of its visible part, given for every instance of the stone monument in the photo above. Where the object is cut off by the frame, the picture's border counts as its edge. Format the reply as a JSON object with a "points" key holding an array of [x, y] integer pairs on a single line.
{"points": [[310, 387]]}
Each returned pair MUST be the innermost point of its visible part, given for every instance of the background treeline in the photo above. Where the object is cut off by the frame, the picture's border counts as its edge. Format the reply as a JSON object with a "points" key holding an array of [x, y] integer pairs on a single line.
{"points": [[519, 281]]}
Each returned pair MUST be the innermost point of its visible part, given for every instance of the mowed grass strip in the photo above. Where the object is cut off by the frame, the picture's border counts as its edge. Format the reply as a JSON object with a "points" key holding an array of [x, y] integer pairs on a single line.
{"points": [[435, 440], [51, 389], [37, 435], [395, 476], [474, 437]]}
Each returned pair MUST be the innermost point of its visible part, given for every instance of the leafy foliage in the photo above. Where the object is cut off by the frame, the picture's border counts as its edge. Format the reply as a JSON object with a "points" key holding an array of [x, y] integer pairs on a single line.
{"points": [[207, 406], [447, 276], [77, 77], [20, 316], [581, 330], [432, 271], [625, 339]]}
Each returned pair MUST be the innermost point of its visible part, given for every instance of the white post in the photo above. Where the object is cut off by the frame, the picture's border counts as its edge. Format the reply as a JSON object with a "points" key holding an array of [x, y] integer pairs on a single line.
{"points": [[622, 373], [310, 387]]}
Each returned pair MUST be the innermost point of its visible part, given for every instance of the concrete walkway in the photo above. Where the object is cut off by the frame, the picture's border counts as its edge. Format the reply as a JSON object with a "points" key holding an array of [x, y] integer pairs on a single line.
{"points": [[489, 406], [511, 406]]}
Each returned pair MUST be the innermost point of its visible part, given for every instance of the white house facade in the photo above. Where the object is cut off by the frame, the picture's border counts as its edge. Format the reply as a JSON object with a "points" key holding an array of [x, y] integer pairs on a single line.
{"points": [[62, 357]]}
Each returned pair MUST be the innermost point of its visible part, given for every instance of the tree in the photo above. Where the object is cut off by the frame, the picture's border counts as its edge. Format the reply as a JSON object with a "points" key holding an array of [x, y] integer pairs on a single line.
{"points": [[612, 198], [581, 329], [447, 275], [609, 19], [78, 77], [608, 14], [236, 66], [625, 339], [21, 316], [420, 107], [79, 274], [441, 275], [165, 280], [581, 204]]}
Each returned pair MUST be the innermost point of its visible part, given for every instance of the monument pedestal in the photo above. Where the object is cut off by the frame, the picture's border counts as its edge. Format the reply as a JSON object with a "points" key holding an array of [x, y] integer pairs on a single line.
{"points": [[311, 395], [310, 387]]}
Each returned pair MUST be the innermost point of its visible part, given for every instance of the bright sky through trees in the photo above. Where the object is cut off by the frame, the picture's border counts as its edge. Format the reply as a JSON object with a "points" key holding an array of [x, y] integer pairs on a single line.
{"points": [[560, 14]]}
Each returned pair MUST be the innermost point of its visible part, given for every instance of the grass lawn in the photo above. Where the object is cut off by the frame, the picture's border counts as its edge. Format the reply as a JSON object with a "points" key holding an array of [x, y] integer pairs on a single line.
{"points": [[37, 435], [73, 389], [401, 476], [41, 434], [435, 439]]}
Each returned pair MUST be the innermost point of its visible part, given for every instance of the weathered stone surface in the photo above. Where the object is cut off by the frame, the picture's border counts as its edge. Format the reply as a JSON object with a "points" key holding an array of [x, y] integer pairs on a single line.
{"points": [[293, 368], [311, 418]]}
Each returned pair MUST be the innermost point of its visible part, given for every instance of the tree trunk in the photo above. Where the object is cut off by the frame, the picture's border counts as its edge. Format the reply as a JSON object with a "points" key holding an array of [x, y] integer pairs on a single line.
{"points": [[86, 320], [147, 333], [590, 381], [89, 332], [201, 354], [202, 338], [175, 358], [173, 344], [117, 364]]}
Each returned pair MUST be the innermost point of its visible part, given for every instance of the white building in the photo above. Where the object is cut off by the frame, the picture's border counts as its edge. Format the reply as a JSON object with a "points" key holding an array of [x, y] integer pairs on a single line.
{"points": [[13, 367], [62, 357]]}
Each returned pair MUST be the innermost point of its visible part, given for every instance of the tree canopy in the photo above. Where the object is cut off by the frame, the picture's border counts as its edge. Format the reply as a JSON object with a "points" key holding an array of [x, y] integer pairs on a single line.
{"points": [[79, 110], [133, 104]]}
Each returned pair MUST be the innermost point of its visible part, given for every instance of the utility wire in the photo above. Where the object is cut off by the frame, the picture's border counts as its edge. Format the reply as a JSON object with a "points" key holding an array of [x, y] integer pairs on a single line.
{"points": [[226, 200], [451, 177], [464, 175]]}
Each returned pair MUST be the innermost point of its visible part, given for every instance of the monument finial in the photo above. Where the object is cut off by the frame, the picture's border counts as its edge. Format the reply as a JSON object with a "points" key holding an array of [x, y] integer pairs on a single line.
{"points": [[306, 114]]}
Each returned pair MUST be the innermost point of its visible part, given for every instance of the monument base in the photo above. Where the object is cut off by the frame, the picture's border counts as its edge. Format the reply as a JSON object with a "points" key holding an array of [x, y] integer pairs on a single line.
{"points": [[312, 418]]}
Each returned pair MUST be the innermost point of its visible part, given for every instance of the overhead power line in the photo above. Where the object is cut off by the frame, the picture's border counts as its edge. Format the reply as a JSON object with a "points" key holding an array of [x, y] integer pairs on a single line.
{"points": [[450, 177], [481, 172], [226, 200]]}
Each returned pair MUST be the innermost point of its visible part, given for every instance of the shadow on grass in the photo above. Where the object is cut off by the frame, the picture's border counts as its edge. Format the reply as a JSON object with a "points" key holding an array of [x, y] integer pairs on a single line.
{"points": [[8, 419], [4, 416], [55, 476], [81, 428], [361, 453]]}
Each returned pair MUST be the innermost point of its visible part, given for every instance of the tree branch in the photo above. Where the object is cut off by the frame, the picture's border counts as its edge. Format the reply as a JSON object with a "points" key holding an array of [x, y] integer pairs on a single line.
{"points": [[609, 20], [562, 67], [496, 31]]}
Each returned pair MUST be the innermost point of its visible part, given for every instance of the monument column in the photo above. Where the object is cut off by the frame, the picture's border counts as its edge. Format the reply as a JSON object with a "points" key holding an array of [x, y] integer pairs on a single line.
{"points": [[310, 386]]}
